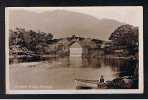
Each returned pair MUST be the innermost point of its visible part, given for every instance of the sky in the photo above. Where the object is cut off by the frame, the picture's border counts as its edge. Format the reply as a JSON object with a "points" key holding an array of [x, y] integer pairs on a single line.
{"points": [[127, 14]]}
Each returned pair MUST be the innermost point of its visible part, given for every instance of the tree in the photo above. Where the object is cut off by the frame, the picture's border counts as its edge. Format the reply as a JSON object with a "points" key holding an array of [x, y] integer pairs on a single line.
{"points": [[16, 38], [49, 36], [36, 42], [125, 35]]}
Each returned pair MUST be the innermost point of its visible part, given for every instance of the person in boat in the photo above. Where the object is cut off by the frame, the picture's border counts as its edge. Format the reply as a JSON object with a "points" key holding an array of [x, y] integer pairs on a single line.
{"points": [[101, 79]]}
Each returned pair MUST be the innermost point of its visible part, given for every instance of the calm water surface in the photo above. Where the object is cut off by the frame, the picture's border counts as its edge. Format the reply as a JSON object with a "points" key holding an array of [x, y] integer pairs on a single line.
{"points": [[60, 73]]}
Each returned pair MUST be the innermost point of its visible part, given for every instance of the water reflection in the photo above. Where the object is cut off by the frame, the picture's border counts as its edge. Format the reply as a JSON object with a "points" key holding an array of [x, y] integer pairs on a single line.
{"points": [[60, 73], [112, 67]]}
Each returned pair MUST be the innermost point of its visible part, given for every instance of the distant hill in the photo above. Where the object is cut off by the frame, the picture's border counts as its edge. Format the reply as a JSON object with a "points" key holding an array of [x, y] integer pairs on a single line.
{"points": [[64, 23]]}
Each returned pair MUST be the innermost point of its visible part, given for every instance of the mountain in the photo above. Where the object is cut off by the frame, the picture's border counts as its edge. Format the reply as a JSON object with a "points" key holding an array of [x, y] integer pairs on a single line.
{"points": [[63, 23]]}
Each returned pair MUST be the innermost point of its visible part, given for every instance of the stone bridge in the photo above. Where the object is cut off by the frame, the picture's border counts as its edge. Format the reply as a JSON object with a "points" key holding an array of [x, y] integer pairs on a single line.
{"points": [[90, 47]]}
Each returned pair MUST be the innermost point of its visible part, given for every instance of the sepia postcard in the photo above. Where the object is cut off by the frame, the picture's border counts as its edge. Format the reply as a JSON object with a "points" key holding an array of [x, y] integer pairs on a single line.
{"points": [[74, 50]]}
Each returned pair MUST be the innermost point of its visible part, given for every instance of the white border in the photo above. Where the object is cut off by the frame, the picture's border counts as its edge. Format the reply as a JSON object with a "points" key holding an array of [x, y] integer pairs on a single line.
{"points": [[102, 91]]}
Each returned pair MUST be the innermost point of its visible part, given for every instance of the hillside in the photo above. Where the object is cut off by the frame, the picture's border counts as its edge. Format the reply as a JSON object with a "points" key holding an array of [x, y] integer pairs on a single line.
{"points": [[64, 23]]}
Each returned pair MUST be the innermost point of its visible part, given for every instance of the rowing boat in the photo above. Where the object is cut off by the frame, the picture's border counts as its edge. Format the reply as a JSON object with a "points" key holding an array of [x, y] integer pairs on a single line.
{"points": [[89, 84]]}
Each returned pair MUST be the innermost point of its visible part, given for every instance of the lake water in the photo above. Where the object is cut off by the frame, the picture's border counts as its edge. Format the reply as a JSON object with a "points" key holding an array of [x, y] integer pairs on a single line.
{"points": [[60, 73]]}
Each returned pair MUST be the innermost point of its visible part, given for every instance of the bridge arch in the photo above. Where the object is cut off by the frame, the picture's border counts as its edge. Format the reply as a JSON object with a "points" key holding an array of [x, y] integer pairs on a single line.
{"points": [[89, 47], [76, 49]]}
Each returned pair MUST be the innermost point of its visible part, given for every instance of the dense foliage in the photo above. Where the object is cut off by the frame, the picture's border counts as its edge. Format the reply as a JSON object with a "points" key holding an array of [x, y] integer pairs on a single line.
{"points": [[126, 35], [31, 40]]}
